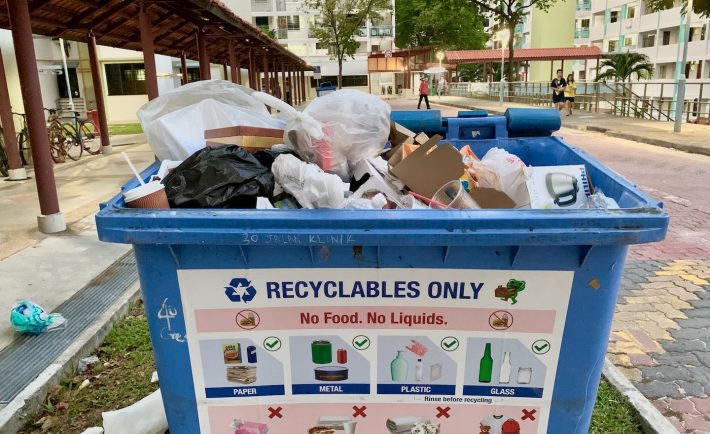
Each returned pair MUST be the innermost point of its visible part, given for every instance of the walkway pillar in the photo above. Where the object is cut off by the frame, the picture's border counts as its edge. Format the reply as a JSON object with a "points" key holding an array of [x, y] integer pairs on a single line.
{"points": [[151, 77], [183, 68], [51, 220], [296, 88], [99, 93], [303, 86], [284, 97], [203, 57], [17, 172], [275, 71], [291, 87], [267, 79], [225, 72], [233, 63], [251, 69]]}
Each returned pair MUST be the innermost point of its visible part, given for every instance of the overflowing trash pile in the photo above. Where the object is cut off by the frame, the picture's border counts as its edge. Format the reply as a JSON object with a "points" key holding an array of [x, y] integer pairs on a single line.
{"points": [[225, 146]]}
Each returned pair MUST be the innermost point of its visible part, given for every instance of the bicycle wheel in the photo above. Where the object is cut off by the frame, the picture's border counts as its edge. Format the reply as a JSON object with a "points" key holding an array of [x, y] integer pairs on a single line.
{"points": [[56, 144], [4, 163], [90, 137], [23, 144], [72, 147]]}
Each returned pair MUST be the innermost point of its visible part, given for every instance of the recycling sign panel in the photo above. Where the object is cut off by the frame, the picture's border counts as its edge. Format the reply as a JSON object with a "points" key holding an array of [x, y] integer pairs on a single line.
{"points": [[374, 350]]}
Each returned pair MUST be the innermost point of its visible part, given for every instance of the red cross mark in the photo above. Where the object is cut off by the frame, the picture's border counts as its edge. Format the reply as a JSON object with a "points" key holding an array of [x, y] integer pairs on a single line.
{"points": [[359, 411], [443, 412], [528, 414], [275, 412]]}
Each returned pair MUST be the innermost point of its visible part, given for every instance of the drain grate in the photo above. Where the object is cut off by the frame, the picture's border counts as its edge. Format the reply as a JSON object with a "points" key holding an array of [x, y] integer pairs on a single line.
{"points": [[26, 357]]}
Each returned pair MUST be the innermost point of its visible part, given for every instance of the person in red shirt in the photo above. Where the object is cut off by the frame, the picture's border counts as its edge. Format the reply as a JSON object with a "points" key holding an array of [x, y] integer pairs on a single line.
{"points": [[423, 94]]}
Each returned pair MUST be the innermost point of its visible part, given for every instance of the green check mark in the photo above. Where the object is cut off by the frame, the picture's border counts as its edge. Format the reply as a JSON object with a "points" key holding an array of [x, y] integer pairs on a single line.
{"points": [[361, 342], [272, 343], [449, 344], [541, 346]]}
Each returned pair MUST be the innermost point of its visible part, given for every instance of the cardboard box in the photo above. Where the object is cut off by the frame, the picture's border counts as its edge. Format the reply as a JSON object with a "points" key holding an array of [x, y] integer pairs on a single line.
{"points": [[400, 134], [251, 138]]}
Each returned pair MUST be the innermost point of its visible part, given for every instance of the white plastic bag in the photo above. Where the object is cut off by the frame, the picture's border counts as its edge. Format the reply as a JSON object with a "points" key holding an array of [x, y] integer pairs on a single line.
{"points": [[175, 123], [338, 130], [511, 171], [311, 187]]}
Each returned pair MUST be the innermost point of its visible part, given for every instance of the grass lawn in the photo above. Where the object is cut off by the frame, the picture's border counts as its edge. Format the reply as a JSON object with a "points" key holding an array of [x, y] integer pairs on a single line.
{"points": [[123, 373], [118, 129]]}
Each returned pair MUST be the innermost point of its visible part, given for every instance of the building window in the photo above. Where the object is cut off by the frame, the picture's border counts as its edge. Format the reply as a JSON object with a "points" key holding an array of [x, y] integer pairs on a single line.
{"points": [[630, 12], [629, 42], [348, 80], [582, 75], [193, 74], [585, 23], [259, 2], [125, 79], [614, 16], [697, 33], [662, 71], [294, 22], [648, 41], [666, 37], [321, 46], [612, 45]]}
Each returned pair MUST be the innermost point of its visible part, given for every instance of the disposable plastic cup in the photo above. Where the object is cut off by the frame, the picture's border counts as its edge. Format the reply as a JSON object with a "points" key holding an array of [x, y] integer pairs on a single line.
{"points": [[349, 427], [150, 195], [453, 196]]}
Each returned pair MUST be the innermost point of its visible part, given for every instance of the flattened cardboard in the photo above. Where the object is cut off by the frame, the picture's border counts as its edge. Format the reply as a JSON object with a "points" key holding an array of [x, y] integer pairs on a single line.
{"points": [[421, 138], [399, 134], [429, 167], [489, 198], [245, 136]]}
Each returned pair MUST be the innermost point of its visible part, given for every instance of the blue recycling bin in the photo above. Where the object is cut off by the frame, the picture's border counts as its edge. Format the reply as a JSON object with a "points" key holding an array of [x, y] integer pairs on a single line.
{"points": [[325, 88], [383, 320]]}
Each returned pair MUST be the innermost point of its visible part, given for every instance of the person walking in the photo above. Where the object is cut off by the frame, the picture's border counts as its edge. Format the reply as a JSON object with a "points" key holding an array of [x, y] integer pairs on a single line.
{"points": [[558, 85], [570, 91], [423, 94]]}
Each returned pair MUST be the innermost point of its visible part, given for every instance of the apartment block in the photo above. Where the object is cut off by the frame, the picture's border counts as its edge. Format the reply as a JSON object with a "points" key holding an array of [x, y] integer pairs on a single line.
{"points": [[291, 23], [621, 25]]}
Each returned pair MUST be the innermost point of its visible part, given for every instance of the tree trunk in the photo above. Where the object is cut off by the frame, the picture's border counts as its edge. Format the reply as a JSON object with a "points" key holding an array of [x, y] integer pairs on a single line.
{"points": [[511, 47], [340, 72]]}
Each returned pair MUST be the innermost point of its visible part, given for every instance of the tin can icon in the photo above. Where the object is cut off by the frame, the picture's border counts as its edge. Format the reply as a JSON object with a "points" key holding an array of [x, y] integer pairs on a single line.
{"points": [[342, 356], [251, 354], [321, 352]]}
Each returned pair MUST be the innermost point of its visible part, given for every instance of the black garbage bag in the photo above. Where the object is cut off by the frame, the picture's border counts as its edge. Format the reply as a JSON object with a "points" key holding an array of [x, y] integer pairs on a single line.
{"points": [[267, 156], [223, 177]]}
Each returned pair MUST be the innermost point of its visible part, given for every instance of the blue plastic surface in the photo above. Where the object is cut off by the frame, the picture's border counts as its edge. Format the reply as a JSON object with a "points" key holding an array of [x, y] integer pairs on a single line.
{"points": [[592, 243], [482, 128], [428, 121], [325, 89], [525, 122], [472, 114]]}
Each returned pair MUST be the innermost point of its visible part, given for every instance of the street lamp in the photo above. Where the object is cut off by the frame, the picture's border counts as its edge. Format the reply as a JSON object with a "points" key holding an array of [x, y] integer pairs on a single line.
{"points": [[502, 36], [680, 95]]}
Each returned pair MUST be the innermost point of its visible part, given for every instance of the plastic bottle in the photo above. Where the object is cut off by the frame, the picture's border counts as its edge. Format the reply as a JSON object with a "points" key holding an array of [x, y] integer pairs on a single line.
{"points": [[398, 367], [485, 371], [504, 377], [418, 370]]}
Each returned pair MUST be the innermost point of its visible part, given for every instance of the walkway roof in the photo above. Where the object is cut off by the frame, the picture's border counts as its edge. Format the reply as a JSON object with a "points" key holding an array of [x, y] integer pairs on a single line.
{"points": [[523, 54], [115, 24]]}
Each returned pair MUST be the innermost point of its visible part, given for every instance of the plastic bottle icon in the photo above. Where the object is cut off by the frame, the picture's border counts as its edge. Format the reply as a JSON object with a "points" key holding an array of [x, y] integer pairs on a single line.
{"points": [[485, 371], [418, 370], [504, 377], [399, 367]]}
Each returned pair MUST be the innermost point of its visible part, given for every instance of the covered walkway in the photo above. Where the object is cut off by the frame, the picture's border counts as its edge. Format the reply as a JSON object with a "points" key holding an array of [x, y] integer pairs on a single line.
{"points": [[204, 30]]}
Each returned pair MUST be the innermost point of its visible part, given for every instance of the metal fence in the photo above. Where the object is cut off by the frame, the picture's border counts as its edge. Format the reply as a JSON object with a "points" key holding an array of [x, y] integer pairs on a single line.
{"points": [[643, 99]]}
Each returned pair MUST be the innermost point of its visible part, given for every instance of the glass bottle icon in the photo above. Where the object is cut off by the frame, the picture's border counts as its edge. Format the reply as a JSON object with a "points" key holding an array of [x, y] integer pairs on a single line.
{"points": [[485, 371], [504, 376], [398, 367]]}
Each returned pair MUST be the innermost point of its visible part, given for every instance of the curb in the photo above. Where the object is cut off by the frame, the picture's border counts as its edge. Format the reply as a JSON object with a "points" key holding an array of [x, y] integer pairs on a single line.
{"points": [[692, 149], [14, 415], [652, 421]]}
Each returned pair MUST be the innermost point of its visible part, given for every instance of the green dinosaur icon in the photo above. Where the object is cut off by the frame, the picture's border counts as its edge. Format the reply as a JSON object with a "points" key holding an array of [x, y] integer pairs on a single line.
{"points": [[510, 290]]}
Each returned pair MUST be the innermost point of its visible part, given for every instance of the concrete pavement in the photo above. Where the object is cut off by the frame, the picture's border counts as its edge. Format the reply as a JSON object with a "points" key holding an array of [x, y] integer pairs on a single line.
{"points": [[693, 138], [50, 269]]}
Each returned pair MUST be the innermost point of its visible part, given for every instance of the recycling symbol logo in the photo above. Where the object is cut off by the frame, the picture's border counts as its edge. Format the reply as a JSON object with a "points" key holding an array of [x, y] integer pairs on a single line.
{"points": [[239, 290]]}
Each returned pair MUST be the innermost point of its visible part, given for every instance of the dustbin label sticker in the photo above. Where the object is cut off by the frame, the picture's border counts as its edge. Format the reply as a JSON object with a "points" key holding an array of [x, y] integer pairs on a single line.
{"points": [[395, 350]]}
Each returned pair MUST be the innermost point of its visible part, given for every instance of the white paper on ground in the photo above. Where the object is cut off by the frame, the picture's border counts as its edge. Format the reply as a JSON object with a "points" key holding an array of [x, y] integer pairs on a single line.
{"points": [[146, 416]]}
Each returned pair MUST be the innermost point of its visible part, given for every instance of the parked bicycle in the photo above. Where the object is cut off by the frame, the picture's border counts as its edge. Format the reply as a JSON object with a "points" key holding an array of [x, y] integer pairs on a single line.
{"points": [[85, 132], [23, 140], [62, 139], [4, 162]]}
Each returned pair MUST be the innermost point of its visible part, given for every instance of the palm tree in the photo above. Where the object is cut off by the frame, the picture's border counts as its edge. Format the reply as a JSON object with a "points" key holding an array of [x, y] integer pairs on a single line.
{"points": [[621, 67]]}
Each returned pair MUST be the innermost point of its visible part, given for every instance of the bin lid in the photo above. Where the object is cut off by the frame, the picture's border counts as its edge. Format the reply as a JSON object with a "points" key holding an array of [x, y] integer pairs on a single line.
{"points": [[639, 220]]}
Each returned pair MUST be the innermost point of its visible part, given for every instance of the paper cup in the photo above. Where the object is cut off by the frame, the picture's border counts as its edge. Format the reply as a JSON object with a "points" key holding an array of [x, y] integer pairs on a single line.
{"points": [[453, 196], [150, 195]]}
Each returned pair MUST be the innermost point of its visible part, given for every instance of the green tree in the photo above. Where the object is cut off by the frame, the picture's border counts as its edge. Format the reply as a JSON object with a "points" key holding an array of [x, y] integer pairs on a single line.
{"points": [[701, 7], [444, 24], [508, 14], [622, 66], [339, 22]]}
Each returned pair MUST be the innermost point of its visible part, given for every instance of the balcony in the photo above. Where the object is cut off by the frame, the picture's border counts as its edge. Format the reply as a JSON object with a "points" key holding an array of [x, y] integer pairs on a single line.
{"points": [[648, 22], [584, 5], [381, 31], [581, 33]]}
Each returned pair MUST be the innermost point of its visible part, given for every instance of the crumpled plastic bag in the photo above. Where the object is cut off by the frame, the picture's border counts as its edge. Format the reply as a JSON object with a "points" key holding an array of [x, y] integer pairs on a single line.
{"points": [[336, 131], [311, 187], [31, 318], [224, 177], [511, 171], [175, 122]]}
